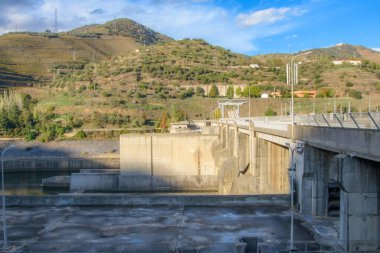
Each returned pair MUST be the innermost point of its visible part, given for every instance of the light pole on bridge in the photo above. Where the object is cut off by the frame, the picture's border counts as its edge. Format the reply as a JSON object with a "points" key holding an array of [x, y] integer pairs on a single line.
{"points": [[292, 171], [292, 79], [5, 238]]}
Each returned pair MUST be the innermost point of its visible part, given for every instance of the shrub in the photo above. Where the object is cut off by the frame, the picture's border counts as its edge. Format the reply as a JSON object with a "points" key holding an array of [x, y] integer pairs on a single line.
{"points": [[31, 135], [355, 94], [80, 135], [199, 91], [270, 112], [82, 87], [349, 84], [106, 94]]}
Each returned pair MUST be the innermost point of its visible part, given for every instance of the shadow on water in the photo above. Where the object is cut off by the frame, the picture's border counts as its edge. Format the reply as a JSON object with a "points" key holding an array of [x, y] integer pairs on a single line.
{"points": [[30, 182]]}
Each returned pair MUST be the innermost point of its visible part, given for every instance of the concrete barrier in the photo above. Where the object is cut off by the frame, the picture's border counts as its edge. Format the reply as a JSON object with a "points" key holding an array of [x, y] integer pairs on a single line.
{"points": [[144, 199]]}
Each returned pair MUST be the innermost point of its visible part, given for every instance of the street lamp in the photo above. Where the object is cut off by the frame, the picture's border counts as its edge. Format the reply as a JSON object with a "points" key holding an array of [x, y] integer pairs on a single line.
{"points": [[3, 195], [292, 79], [292, 170]]}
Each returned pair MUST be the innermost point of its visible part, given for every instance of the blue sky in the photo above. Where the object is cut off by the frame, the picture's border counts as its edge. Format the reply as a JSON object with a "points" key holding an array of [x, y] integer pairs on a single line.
{"points": [[249, 27]]}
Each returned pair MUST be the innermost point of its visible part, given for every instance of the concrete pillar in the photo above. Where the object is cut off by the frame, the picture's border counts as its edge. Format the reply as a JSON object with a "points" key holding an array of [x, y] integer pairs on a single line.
{"points": [[223, 135], [360, 209], [262, 162], [227, 136], [236, 142], [252, 150], [319, 167]]}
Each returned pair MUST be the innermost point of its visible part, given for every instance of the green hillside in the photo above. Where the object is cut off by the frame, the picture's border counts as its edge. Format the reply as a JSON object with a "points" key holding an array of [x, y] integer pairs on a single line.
{"points": [[121, 75]]}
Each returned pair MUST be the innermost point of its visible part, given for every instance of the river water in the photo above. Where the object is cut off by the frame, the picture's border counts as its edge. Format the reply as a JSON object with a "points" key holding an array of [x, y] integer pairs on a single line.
{"points": [[29, 182]]}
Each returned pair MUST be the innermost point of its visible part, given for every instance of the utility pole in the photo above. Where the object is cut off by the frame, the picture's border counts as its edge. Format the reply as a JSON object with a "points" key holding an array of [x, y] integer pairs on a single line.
{"points": [[56, 20], [74, 54], [334, 105], [114, 25], [369, 104]]}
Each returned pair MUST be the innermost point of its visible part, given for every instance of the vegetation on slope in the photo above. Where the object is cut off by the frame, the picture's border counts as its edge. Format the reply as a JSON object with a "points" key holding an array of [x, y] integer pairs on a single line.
{"points": [[112, 81], [41, 55]]}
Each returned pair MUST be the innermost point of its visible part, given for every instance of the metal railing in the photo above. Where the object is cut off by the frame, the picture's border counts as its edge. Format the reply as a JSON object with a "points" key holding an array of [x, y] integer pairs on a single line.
{"points": [[360, 120]]}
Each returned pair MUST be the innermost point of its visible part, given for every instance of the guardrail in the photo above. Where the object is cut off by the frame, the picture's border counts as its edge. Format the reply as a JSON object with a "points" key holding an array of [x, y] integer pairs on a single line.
{"points": [[360, 120]]}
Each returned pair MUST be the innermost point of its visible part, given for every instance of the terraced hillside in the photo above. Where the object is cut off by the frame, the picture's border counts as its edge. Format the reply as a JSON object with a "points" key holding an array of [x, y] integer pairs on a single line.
{"points": [[41, 55]]}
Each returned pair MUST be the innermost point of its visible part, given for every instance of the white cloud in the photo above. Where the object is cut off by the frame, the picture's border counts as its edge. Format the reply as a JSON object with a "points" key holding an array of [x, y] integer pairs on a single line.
{"points": [[376, 49], [268, 16], [175, 18], [293, 36]]}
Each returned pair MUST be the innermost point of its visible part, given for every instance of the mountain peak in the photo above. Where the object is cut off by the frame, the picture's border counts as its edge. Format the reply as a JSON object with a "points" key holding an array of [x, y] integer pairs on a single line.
{"points": [[122, 27]]}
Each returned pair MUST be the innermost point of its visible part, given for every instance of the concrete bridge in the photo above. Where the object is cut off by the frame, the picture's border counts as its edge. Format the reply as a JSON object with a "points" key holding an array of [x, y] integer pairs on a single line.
{"points": [[337, 174]]}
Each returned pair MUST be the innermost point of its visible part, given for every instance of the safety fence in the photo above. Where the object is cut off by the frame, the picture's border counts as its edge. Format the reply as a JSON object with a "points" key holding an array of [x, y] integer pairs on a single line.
{"points": [[361, 120]]}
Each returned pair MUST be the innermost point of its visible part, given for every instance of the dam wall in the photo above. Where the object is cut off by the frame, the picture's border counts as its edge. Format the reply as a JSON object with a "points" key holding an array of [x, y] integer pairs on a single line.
{"points": [[64, 155], [249, 162], [167, 162]]}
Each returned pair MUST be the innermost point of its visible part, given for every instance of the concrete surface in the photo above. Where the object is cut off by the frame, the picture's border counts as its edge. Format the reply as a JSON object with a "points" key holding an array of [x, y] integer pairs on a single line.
{"points": [[160, 228], [167, 161]]}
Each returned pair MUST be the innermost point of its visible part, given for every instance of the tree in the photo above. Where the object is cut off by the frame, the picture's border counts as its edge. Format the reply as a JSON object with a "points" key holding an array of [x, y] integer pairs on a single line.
{"points": [[238, 91], [14, 115], [251, 90], [5, 123], [217, 114], [214, 92], [163, 122], [230, 91], [176, 114], [199, 91]]}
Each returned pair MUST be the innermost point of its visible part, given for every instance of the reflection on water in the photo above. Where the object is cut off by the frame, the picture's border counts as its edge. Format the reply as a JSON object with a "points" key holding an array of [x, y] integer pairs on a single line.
{"points": [[29, 182]]}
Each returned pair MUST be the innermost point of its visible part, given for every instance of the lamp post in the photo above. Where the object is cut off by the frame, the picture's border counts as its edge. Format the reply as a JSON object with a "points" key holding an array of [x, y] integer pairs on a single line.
{"points": [[292, 79], [292, 170], [3, 195]]}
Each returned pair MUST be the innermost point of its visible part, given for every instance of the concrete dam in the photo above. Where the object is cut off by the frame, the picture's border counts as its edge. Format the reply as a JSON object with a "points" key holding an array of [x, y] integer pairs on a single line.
{"points": [[188, 162], [336, 172]]}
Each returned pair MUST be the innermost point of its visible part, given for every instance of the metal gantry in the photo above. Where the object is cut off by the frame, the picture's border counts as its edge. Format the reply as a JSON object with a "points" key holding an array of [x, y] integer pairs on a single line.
{"points": [[231, 107]]}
